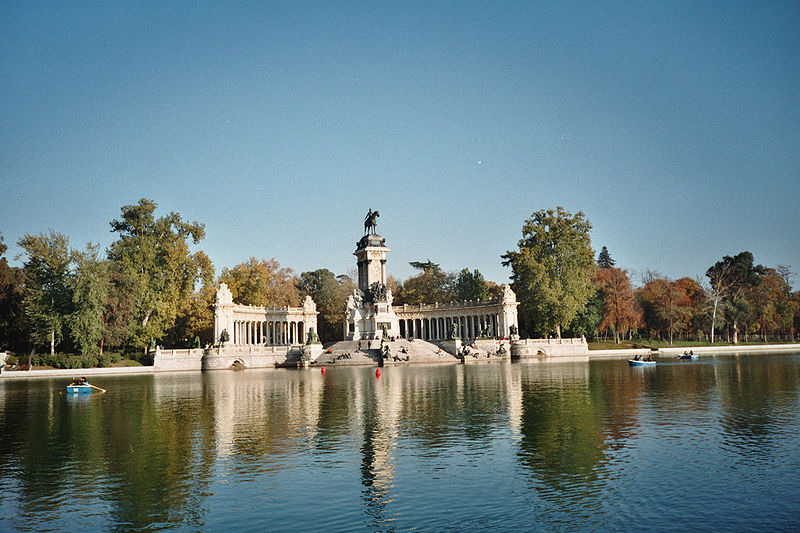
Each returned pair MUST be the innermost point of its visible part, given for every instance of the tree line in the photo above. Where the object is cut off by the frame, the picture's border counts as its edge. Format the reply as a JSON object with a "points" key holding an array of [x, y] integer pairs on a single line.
{"points": [[560, 286], [149, 286]]}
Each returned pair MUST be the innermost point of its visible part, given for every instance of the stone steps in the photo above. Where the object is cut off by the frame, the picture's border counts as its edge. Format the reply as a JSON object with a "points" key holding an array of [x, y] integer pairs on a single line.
{"points": [[400, 351]]}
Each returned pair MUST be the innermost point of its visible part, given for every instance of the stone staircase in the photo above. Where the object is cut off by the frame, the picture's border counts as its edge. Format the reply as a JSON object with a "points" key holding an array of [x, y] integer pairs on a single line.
{"points": [[401, 351]]}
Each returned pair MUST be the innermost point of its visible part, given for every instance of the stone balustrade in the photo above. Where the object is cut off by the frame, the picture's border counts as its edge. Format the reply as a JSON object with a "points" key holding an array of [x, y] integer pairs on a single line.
{"points": [[536, 348], [553, 341]]}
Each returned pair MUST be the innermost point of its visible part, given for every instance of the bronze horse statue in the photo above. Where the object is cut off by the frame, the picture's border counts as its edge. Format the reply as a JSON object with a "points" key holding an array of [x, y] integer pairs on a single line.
{"points": [[370, 222]]}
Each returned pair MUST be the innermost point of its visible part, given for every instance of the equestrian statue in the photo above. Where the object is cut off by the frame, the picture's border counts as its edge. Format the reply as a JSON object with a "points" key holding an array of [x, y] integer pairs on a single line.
{"points": [[370, 221]]}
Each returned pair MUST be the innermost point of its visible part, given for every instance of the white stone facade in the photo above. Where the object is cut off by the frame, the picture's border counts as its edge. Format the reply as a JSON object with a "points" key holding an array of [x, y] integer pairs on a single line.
{"points": [[472, 319], [370, 311], [250, 325]]}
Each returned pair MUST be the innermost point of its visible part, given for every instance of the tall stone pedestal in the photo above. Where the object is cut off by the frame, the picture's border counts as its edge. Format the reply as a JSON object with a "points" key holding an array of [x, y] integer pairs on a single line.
{"points": [[369, 309]]}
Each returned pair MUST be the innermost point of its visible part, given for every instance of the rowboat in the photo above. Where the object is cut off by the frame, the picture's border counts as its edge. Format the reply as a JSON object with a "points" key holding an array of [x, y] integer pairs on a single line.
{"points": [[81, 386], [634, 362], [688, 356]]}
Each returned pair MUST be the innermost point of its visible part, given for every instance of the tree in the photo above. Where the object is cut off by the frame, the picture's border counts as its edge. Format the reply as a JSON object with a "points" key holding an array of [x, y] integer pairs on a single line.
{"points": [[427, 265], [153, 262], [694, 310], [771, 303], [551, 271], [429, 286], [195, 318], [729, 278], [90, 286], [604, 259], [261, 282], [470, 286], [791, 308], [588, 318], [47, 299], [670, 305], [13, 327], [619, 309], [330, 294], [795, 303]]}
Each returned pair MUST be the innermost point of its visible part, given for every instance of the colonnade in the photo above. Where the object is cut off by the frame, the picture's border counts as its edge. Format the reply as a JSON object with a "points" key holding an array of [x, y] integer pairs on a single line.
{"points": [[438, 328], [268, 332]]}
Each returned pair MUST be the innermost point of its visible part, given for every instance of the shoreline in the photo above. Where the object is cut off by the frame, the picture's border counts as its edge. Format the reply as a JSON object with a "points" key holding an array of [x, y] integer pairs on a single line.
{"points": [[592, 354], [627, 352]]}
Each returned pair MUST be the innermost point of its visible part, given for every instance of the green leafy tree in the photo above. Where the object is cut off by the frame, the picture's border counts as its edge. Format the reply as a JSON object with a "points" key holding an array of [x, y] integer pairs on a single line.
{"points": [[427, 265], [429, 286], [90, 286], [47, 299], [551, 271], [587, 319], [13, 327], [470, 286], [153, 262], [729, 278], [195, 319], [604, 259], [330, 294]]}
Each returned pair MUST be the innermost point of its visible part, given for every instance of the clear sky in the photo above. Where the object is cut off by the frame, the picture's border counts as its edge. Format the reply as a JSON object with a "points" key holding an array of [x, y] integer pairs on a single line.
{"points": [[674, 126]]}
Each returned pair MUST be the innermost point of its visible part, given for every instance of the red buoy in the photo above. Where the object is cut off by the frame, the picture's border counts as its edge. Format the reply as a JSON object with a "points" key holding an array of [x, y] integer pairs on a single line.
{"points": [[323, 370], [377, 372]]}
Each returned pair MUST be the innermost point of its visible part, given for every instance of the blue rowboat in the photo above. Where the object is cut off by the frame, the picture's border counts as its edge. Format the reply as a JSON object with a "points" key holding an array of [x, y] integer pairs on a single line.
{"points": [[688, 356], [81, 386], [634, 362]]}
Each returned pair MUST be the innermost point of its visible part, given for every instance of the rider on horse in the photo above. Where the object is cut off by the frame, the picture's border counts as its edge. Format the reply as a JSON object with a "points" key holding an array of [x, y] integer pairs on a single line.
{"points": [[370, 221]]}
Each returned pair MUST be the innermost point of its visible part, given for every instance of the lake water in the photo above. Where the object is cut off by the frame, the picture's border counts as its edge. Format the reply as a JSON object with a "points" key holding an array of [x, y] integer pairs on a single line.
{"points": [[712, 444]]}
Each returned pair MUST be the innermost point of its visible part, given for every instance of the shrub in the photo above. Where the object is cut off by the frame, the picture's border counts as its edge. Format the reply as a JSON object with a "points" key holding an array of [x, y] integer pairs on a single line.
{"points": [[108, 359], [61, 360]]}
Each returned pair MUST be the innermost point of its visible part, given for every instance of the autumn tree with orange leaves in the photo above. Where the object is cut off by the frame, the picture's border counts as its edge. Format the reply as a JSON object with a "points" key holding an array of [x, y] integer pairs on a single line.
{"points": [[620, 309], [674, 306]]}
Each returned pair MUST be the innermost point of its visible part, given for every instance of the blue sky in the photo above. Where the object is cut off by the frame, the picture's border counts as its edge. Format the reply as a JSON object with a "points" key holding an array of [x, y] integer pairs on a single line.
{"points": [[674, 126]]}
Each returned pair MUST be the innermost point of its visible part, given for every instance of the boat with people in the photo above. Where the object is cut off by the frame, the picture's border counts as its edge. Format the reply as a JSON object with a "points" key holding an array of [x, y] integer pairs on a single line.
{"points": [[690, 355], [81, 386], [641, 361]]}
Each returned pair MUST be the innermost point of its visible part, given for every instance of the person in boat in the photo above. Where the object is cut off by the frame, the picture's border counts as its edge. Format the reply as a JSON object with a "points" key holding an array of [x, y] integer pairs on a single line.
{"points": [[638, 357], [82, 381], [691, 352]]}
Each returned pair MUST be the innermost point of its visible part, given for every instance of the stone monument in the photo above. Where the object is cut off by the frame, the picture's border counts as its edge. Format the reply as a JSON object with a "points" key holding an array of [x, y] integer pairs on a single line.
{"points": [[369, 308]]}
